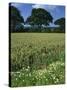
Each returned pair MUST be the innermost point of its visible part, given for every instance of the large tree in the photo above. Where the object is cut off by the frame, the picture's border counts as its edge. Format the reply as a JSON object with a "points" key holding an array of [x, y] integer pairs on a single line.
{"points": [[61, 23], [15, 17], [39, 17]]}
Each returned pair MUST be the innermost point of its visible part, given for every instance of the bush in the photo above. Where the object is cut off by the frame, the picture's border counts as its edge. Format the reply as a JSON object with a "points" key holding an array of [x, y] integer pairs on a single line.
{"points": [[19, 28]]}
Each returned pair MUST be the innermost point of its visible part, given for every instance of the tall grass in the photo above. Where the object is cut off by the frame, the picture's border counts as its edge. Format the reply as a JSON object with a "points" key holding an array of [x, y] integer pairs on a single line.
{"points": [[37, 59]]}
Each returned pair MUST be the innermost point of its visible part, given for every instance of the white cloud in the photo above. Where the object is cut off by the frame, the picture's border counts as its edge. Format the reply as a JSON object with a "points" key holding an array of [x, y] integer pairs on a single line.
{"points": [[37, 6], [47, 7], [15, 4], [50, 7]]}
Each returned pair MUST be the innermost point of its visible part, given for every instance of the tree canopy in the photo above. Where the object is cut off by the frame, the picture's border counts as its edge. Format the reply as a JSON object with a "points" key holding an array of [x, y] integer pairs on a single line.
{"points": [[39, 17], [61, 23], [15, 17]]}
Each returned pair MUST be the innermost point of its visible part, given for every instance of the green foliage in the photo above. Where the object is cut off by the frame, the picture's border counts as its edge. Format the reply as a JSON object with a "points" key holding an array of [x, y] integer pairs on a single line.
{"points": [[39, 16], [15, 17], [61, 23], [37, 59], [54, 74], [19, 28]]}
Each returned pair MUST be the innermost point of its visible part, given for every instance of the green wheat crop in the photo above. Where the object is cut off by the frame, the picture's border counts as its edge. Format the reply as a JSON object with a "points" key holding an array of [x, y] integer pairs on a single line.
{"points": [[37, 59]]}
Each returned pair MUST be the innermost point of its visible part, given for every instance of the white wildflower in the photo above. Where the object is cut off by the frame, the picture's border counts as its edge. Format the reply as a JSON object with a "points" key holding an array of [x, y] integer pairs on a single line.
{"points": [[19, 75], [23, 68], [57, 80], [23, 80], [26, 74], [28, 67], [22, 73], [46, 79], [16, 78], [29, 74]]}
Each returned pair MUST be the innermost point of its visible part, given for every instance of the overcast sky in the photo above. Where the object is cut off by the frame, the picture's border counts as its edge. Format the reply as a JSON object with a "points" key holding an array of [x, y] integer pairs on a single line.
{"points": [[25, 9]]}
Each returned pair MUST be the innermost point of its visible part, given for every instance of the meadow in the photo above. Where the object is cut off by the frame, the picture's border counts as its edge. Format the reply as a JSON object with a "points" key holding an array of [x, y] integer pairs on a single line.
{"points": [[37, 59]]}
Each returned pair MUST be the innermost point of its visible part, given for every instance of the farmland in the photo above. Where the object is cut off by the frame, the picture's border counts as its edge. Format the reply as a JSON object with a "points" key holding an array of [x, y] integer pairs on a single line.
{"points": [[37, 59]]}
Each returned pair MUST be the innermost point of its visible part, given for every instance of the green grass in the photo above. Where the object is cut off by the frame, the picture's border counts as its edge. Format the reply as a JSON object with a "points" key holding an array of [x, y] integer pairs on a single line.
{"points": [[37, 59]]}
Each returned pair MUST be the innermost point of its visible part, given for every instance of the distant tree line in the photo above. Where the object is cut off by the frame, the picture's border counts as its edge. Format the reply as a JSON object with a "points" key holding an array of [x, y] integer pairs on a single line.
{"points": [[38, 18]]}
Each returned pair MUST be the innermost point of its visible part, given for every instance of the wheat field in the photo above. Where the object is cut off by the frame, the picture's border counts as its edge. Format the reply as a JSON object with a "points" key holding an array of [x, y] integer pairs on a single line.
{"points": [[37, 59]]}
